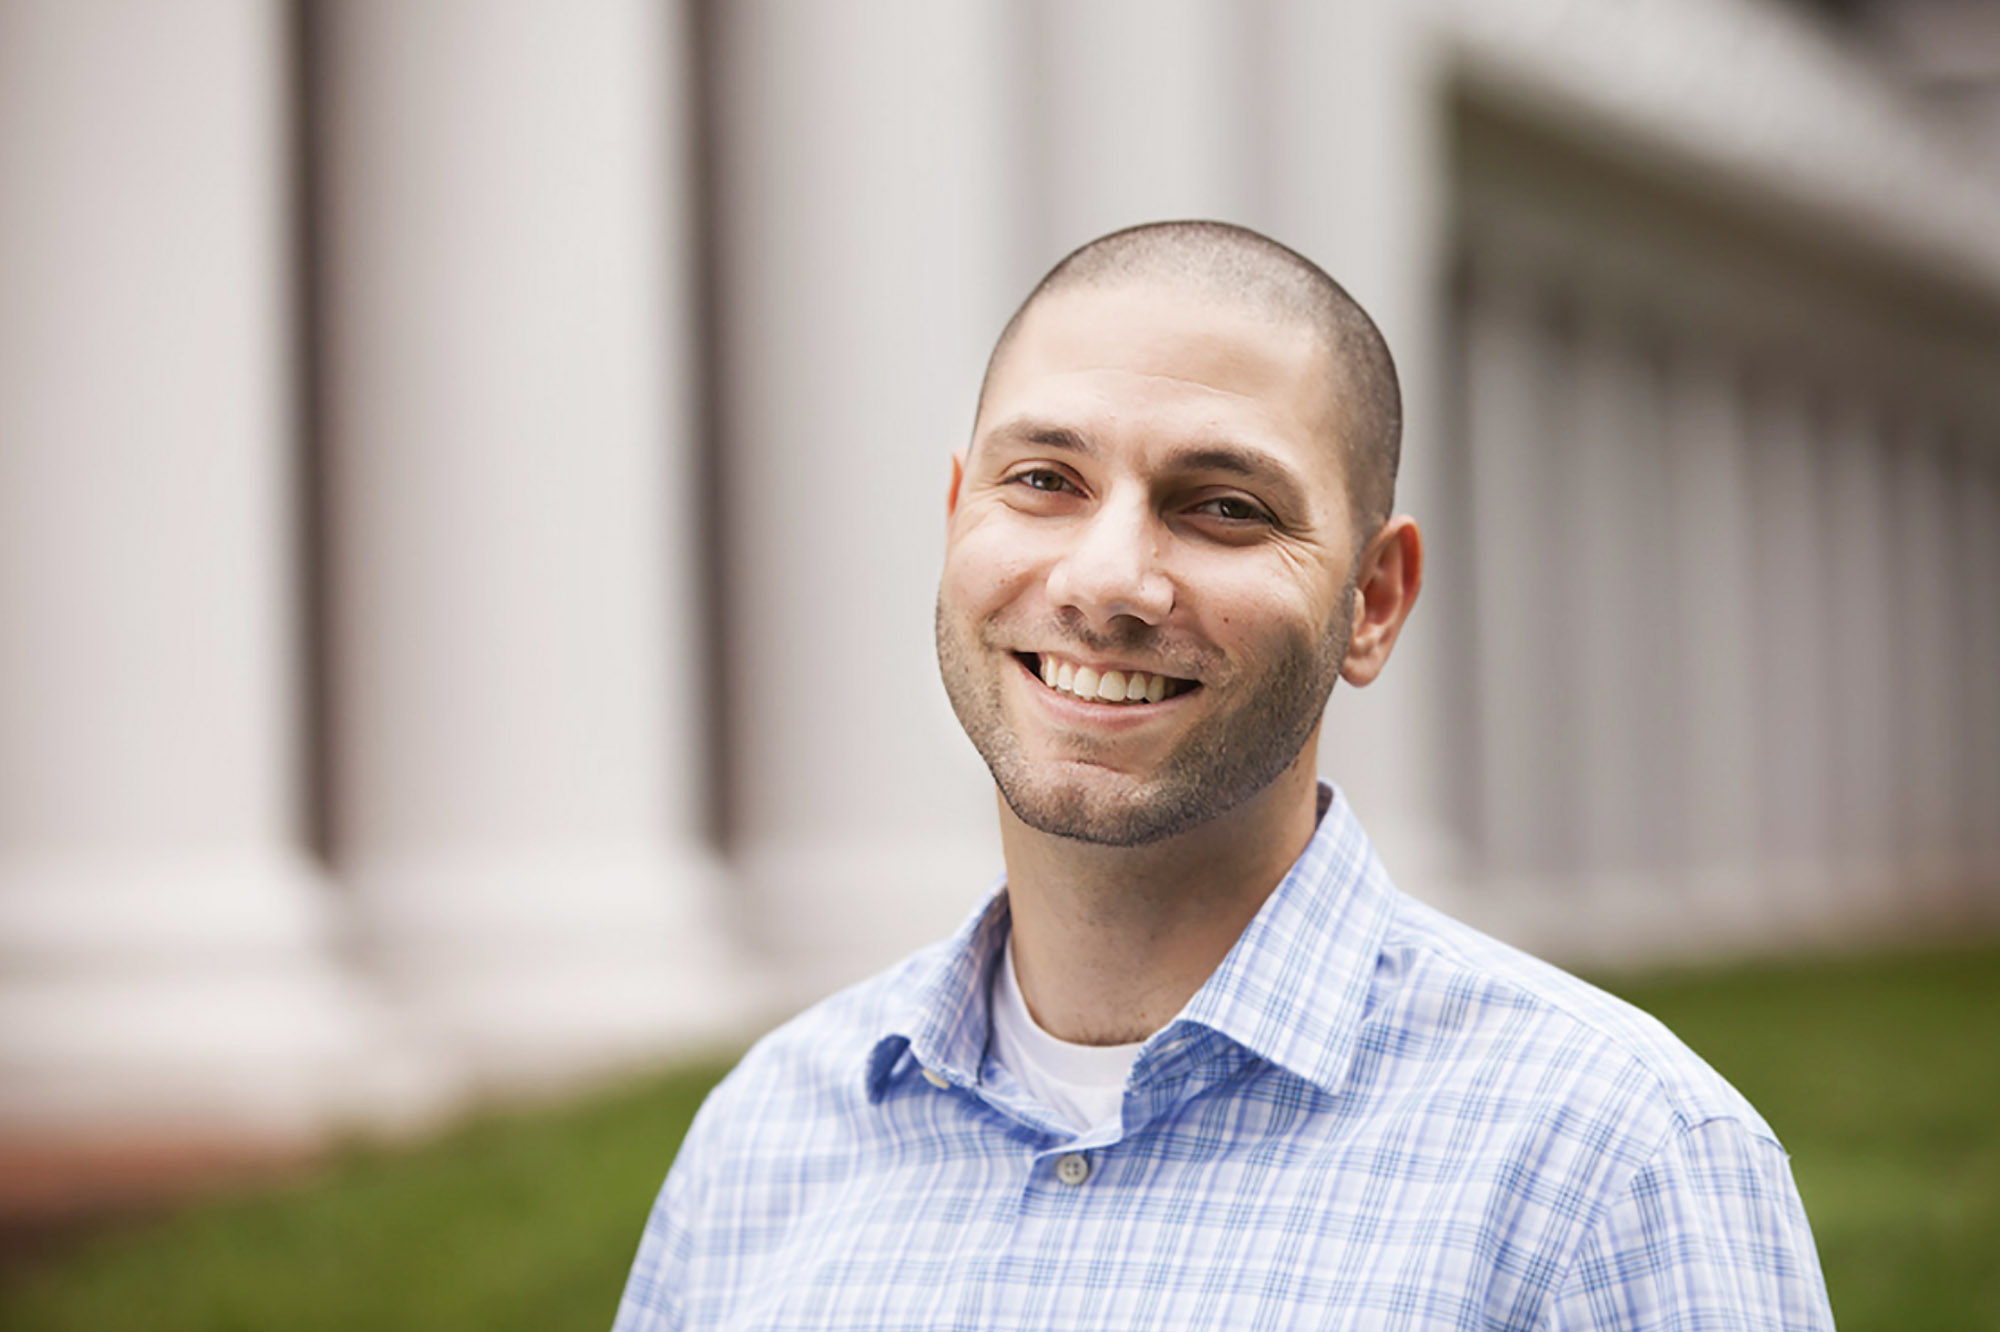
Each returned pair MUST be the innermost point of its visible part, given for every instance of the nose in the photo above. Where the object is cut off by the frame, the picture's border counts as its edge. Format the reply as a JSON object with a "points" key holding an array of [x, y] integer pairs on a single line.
{"points": [[1112, 568]]}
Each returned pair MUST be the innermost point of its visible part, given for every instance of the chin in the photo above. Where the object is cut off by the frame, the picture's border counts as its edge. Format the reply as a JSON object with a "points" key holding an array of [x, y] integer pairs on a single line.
{"points": [[1108, 809]]}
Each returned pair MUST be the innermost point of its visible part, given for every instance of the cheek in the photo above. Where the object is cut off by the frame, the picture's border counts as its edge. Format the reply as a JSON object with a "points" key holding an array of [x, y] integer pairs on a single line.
{"points": [[1255, 611], [986, 566]]}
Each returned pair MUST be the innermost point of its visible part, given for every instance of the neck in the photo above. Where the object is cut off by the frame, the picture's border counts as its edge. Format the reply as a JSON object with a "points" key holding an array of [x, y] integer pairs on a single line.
{"points": [[1111, 942]]}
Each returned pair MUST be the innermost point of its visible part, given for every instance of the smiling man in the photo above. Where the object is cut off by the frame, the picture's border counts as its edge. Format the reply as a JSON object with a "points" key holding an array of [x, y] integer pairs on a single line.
{"points": [[1197, 1063]]}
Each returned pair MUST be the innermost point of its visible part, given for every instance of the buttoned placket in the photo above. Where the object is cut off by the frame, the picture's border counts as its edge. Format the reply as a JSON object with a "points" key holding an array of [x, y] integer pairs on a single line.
{"points": [[1069, 1158], [1189, 1059], [1187, 1062]]}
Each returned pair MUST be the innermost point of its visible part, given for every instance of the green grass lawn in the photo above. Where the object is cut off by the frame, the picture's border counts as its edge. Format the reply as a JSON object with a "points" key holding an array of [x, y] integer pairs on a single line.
{"points": [[515, 1223], [1882, 1076]]}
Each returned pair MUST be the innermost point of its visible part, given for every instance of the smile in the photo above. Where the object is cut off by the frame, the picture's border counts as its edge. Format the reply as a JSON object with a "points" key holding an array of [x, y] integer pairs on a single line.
{"points": [[1102, 685]]}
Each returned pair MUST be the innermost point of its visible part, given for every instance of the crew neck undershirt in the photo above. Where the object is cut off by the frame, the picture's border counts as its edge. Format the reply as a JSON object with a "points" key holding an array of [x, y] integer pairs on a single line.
{"points": [[1083, 1084]]}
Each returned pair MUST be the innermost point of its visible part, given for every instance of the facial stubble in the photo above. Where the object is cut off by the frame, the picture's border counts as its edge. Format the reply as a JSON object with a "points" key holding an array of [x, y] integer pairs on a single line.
{"points": [[1225, 759]]}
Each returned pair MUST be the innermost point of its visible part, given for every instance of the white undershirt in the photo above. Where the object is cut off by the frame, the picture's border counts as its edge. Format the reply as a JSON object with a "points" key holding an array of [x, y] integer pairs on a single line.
{"points": [[1083, 1084]]}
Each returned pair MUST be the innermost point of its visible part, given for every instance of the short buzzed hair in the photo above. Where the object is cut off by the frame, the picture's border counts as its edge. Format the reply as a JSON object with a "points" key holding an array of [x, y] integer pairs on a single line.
{"points": [[1249, 268]]}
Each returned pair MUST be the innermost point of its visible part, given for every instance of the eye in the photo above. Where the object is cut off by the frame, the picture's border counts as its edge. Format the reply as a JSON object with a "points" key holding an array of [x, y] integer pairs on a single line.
{"points": [[1233, 509], [1041, 478]]}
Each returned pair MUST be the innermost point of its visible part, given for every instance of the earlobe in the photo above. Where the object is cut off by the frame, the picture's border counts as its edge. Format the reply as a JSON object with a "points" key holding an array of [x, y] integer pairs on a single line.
{"points": [[957, 478], [1392, 573]]}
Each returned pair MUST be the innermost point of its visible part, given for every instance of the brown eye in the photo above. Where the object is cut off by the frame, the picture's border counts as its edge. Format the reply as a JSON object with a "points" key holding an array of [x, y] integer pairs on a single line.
{"points": [[1043, 479], [1235, 509]]}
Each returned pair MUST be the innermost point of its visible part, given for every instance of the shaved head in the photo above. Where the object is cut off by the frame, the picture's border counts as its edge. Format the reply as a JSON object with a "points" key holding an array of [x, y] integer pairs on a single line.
{"points": [[1238, 266]]}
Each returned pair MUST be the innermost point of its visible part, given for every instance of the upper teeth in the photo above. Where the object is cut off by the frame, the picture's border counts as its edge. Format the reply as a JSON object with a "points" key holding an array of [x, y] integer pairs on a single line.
{"points": [[1105, 686]]}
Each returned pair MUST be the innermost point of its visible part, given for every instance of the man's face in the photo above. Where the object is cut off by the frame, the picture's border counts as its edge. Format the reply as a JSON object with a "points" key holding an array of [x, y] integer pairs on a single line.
{"points": [[1153, 489]]}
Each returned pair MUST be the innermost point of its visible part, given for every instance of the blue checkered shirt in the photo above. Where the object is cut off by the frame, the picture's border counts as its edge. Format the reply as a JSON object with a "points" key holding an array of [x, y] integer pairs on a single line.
{"points": [[1370, 1116]]}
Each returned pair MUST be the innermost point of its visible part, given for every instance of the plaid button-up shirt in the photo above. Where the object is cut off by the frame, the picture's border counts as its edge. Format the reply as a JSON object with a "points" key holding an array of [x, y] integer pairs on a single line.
{"points": [[1370, 1116]]}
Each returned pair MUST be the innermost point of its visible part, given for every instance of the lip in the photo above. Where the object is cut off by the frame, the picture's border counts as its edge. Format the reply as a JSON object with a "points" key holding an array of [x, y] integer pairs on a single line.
{"points": [[1106, 664], [1180, 684], [1074, 711]]}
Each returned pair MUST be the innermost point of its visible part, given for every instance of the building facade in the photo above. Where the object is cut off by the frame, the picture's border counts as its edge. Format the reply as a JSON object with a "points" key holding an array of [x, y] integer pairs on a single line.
{"points": [[472, 475]]}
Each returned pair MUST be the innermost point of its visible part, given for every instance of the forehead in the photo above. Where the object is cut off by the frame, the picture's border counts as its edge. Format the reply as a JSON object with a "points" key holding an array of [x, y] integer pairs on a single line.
{"points": [[1139, 350]]}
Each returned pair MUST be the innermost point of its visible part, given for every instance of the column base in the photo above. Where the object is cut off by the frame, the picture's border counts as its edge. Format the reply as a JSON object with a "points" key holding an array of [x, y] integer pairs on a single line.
{"points": [[546, 969], [190, 1004]]}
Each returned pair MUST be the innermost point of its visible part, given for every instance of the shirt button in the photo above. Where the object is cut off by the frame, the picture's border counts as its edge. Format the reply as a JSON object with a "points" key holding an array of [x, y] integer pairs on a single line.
{"points": [[936, 1079], [1073, 1168]]}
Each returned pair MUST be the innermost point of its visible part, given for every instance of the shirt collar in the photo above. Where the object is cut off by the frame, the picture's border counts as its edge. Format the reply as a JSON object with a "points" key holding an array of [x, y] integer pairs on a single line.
{"points": [[1295, 987], [1292, 990], [941, 1020]]}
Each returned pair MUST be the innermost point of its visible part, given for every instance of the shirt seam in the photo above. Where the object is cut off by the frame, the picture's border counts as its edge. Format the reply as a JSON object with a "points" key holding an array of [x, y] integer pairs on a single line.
{"points": [[1664, 1090], [1683, 1128]]}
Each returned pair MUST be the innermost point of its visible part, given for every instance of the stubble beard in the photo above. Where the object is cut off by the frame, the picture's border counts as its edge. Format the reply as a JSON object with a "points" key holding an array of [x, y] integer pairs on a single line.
{"points": [[1227, 758]]}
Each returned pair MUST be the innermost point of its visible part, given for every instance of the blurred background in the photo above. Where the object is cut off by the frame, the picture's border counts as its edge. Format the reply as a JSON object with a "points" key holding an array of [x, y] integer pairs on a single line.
{"points": [[472, 479]]}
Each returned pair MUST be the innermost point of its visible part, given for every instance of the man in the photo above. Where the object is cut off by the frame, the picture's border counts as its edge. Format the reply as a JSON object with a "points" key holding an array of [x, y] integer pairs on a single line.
{"points": [[1197, 1064]]}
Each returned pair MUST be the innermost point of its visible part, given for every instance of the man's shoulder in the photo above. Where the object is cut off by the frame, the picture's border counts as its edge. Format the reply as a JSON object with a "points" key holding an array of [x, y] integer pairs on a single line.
{"points": [[1509, 1018]]}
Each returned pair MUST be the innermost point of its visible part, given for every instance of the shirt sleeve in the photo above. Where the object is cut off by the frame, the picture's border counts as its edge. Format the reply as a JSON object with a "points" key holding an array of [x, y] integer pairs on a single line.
{"points": [[1709, 1235], [655, 1290]]}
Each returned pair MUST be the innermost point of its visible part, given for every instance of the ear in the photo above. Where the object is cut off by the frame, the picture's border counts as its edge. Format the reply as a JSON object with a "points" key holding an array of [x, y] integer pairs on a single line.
{"points": [[1391, 575], [957, 477]]}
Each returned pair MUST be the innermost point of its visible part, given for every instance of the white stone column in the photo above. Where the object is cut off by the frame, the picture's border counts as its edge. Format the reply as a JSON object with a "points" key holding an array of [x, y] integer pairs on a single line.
{"points": [[512, 502], [1927, 642], [866, 222], [1613, 504], [165, 973], [1523, 746], [1857, 642], [1358, 175], [1713, 610], [1145, 110], [1795, 796], [1978, 610]]}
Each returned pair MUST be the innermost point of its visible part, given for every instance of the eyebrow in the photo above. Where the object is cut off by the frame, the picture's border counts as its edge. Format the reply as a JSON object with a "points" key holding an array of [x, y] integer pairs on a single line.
{"points": [[1282, 486], [1248, 462], [1061, 438]]}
